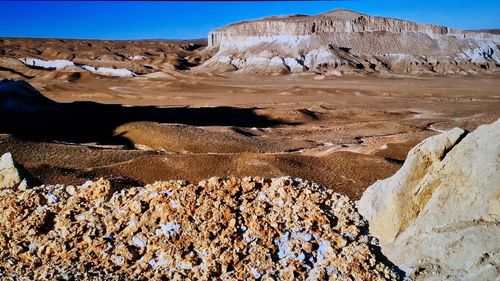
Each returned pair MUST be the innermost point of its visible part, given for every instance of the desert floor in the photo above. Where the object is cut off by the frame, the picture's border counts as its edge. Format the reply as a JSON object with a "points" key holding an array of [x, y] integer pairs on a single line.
{"points": [[342, 132]]}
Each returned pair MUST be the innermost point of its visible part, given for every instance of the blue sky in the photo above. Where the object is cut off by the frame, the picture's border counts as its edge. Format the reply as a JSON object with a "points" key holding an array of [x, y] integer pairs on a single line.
{"points": [[183, 20]]}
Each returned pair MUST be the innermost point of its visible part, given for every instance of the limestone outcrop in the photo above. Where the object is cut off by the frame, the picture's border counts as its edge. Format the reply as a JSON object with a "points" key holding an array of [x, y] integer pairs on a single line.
{"points": [[349, 42], [9, 175], [225, 229], [438, 217]]}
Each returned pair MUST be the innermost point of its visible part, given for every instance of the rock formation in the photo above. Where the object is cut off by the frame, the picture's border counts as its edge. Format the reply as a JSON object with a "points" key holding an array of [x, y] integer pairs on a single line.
{"points": [[438, 218], [66, 64], [229, 229], [28, 58], [9, 176], [348, 41]]}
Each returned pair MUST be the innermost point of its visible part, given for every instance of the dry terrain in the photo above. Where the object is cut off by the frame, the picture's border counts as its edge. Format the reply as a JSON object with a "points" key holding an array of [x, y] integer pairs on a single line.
{"points": [[117, 156], [343, 132]]}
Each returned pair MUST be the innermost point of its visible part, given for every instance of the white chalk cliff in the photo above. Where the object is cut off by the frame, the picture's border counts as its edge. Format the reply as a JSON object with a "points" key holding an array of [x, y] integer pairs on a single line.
{"points": [[348, 41], [438, 217]]}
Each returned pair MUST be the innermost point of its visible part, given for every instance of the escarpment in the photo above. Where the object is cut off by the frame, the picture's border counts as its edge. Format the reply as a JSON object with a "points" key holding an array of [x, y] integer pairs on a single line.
{"points": [[349, 42]]}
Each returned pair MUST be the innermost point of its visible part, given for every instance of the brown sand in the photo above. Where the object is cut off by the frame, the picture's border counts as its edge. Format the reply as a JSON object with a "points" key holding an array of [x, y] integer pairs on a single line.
{"points": [[343, 132]]}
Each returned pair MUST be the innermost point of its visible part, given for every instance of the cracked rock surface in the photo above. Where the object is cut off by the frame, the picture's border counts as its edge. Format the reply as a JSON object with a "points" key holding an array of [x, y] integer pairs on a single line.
{"points": [[230, 229], [438, 217]]}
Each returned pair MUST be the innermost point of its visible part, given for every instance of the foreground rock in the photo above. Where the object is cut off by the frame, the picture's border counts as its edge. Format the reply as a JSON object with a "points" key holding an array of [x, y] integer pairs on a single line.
{"points": [[438, 218], [9, 175], [230, 229], [343, 41]]}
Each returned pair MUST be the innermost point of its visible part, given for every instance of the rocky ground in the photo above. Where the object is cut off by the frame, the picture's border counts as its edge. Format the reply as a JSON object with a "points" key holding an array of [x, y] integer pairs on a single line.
{"points": [[231, 229], [437, 218]]}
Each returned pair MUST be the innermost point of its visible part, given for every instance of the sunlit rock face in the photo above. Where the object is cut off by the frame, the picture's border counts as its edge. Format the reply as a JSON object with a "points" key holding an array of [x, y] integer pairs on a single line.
{"points": [[438, 217], [350, 42]]}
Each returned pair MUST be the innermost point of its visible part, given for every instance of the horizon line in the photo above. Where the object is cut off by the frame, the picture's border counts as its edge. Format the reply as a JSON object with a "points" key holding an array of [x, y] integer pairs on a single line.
{"points": [[103, 39]]}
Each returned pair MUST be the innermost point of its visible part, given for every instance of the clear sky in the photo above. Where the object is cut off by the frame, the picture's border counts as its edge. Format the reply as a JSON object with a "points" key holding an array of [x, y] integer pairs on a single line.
{"points": [[187, 20]]}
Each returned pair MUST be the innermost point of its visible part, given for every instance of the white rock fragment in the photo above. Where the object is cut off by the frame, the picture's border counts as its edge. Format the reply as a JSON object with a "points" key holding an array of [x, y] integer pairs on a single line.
{"points": [[136, 240], [87, 184], [283, 246], [256, 274], [184, 265], [23, 185], [136, 57], [9, 175], [41, 209], [170, 228], [119, 260], [51, 198], [322, 250], [33, 246], [70, 190], [131, 223]]}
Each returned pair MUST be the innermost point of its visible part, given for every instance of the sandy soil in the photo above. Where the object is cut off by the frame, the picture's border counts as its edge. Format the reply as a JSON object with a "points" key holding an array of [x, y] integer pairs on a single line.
{"points": [[345, 132]]}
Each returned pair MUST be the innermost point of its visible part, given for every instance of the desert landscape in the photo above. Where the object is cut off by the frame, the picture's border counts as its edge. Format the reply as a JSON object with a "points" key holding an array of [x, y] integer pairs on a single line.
{"points": [[325, 147]]}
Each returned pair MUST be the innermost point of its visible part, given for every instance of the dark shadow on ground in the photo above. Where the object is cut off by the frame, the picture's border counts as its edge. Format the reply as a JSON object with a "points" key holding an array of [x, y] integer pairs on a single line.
{"points": [[27, 114]]}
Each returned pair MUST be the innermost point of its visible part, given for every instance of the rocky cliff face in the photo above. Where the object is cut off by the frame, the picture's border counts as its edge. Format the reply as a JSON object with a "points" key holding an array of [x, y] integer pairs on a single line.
{"points": [[349, 41], [438, 218], [224, 229]]}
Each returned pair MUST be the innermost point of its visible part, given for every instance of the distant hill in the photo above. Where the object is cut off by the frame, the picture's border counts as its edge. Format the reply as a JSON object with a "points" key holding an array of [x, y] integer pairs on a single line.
{"points": [[492, 31], [342, 41]]}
